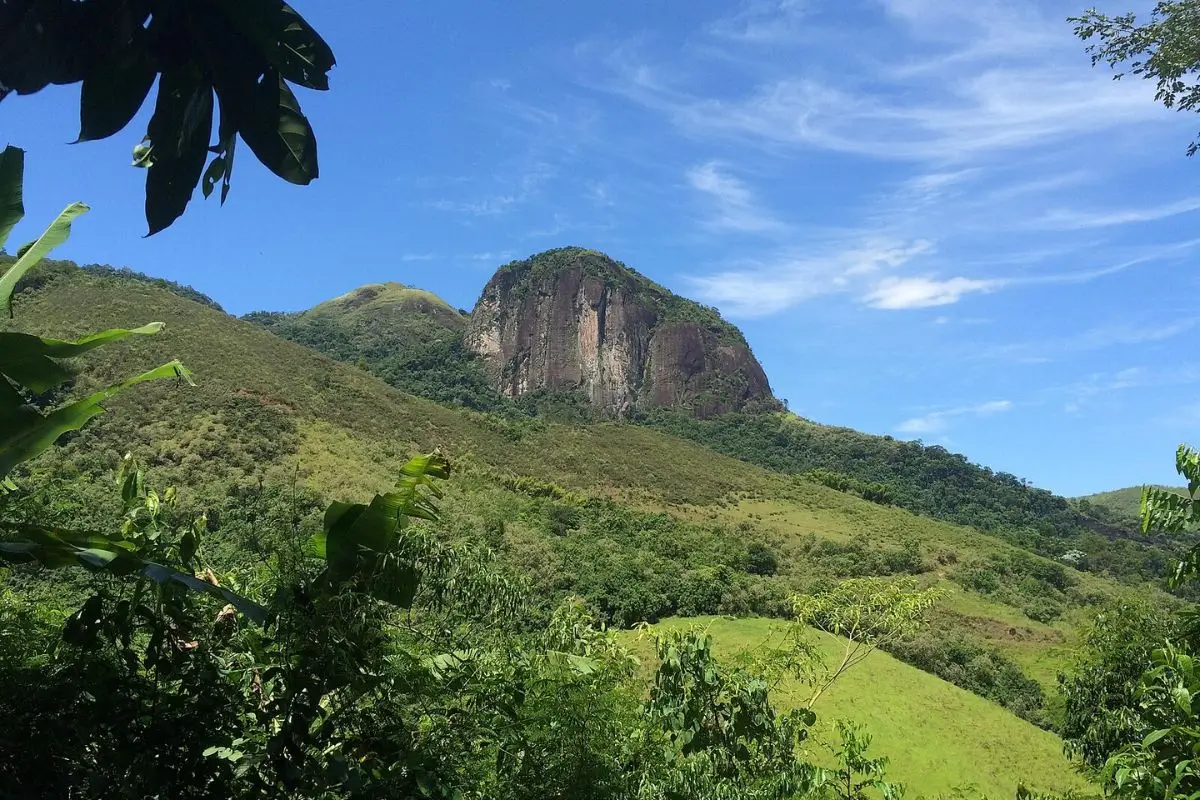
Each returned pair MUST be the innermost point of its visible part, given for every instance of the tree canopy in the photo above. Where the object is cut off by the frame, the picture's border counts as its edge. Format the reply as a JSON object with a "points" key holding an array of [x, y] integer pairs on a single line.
{"points": [[247, 54]]}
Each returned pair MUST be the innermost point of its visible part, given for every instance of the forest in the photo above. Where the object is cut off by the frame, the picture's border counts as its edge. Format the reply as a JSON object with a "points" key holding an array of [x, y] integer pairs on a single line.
{"points": [[318, 555]]}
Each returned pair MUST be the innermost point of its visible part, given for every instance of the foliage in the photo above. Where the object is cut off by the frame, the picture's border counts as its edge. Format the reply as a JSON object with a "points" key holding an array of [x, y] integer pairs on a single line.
{"points": [[725, 738], [246, 53], [1152, 721], [1036, 586], [408, 338], [272, 424], [875, 492], [927, 480], [1101, 686], [1161, 49], [867, 613], [856, 772], [930, 729], [49, 271], [957, 659]]}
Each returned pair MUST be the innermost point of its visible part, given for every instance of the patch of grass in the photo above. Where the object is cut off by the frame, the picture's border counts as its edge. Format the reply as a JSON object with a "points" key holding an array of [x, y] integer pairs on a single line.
{"points": [[938, 737]]}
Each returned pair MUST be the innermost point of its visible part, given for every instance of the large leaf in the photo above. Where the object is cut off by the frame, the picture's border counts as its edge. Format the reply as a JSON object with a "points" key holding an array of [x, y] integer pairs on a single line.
{"points": [[359, 540], [27, 441], [42, 42], [289, 43], [31, 254], [12, 207], [55, 549], [29, 360], [113, 92], [178, 133], [278, 132]]}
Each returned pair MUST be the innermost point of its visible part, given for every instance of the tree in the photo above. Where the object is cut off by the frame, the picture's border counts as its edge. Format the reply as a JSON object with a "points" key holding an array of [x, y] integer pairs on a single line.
{"points": [[868, 613], [1161, 724], [1100, 689], [1163, 49], [246, 53]]}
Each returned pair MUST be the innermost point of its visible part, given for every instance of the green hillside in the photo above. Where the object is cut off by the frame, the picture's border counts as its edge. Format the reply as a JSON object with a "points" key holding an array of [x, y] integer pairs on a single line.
{"points": [[413, 341], [641, 524], [888, 697], [1121, 505], [409, 337]]}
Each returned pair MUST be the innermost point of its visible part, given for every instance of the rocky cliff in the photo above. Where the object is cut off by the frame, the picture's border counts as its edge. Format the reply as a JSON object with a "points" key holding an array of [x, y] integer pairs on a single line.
{"points": [[574, 319]]}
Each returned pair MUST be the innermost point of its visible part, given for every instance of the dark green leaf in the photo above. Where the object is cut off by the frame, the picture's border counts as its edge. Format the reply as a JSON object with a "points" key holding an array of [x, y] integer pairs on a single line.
{"points": [[287, 41], [12, 208], [179, 133], [278, 132], [113, 92]]}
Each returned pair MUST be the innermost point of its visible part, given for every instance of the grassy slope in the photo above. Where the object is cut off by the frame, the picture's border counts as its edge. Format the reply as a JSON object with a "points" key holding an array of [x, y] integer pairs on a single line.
{"points": [[954, 727], [1126, 503], [347, 431]]}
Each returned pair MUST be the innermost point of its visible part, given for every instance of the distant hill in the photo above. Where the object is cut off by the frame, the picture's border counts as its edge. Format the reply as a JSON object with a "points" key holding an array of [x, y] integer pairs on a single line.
{"points": [[1122, 506], [408, 337], [417, 343]]}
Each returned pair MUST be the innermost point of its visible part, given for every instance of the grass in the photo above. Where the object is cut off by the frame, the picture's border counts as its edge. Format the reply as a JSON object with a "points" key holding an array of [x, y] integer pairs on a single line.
{"points": [[927, 727], [268, 409]]}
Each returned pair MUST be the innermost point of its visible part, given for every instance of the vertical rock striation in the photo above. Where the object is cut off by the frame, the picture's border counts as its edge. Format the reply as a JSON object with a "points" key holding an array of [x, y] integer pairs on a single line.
{"points": [[575, 320]]}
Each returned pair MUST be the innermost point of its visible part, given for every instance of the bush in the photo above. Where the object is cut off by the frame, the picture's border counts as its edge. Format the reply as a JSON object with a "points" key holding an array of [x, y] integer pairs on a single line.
{"points": [[761, 560]]}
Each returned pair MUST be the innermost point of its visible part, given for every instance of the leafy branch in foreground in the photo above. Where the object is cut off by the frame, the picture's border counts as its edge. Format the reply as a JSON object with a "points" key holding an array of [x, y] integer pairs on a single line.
{"points": [[867, 613], [1162, 49]]}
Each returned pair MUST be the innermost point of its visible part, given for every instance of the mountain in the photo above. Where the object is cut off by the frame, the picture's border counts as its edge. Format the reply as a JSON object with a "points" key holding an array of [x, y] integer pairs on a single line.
{"points": [[642, 523], [409, 337], [575, 320], [549, 311], [1120, 505]]}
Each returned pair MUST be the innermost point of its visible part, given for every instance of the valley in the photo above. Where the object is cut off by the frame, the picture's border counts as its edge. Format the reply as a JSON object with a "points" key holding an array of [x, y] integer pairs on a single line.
{"points": [[641, 524]]}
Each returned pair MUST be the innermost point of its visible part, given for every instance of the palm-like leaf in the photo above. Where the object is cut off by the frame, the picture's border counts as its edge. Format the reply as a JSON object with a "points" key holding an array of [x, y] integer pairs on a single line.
{"points": [[34, 252], [359, 539]]}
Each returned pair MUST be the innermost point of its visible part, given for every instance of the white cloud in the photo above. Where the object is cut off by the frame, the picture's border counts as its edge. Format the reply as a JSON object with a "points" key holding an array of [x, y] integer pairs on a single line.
{"points": [[525, 186], [925, 292], [1069, 220], [759, 289], [418, 257], [939, 421], [735, 206]]}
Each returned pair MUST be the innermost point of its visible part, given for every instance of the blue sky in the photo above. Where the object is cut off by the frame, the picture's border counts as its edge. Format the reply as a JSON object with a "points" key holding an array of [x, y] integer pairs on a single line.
{"points": [[933, 219]]}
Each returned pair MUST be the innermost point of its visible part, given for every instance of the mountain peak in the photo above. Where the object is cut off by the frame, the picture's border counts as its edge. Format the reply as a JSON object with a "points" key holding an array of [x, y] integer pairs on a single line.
{"points": [[575, 319]]}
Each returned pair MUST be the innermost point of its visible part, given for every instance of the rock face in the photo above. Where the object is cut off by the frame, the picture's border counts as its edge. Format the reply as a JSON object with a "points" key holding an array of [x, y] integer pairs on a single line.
{"points": [[575, 320]]}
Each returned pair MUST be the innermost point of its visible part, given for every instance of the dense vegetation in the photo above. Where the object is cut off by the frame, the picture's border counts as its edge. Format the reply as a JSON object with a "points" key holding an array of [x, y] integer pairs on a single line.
{"points": [[407, 337], [929, 480], [240, 634]]}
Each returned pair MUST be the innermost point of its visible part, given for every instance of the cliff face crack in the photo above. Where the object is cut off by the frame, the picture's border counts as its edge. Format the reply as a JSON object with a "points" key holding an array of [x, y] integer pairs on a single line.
{"points": [[575, 320]]}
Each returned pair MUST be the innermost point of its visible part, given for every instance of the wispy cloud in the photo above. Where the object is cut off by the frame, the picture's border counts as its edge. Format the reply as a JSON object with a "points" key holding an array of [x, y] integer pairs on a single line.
{"points": [[1070, 220], [758, 289], [1096, 338], [734, 205], [761, 21], [1097, 386], [937, 422], [519, 189]]}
